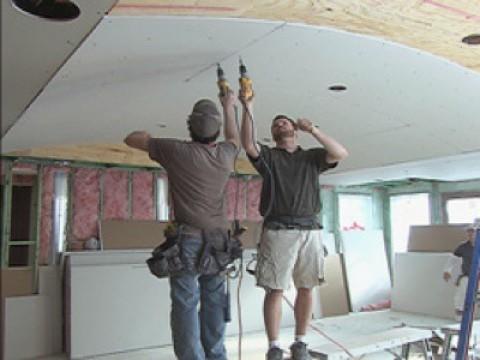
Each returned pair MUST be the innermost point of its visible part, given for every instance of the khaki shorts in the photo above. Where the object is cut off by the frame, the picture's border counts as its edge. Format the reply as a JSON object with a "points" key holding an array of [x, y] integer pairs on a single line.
{"points": [[287, 254]]}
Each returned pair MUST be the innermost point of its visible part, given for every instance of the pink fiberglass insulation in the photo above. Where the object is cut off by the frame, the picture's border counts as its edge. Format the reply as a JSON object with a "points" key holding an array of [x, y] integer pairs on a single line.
{"points": [[115, 194], [235, 194], [142, 196], [46, 211], [254, 188], [86, 196]]}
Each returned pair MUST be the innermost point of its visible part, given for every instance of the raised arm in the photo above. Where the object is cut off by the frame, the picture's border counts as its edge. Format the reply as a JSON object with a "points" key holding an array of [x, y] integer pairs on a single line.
{"points": [[230, 129], [336, 151], [138, 140], [248, 132]]}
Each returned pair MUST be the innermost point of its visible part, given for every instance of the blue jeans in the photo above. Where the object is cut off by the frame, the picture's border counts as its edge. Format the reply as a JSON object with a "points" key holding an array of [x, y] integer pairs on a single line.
{"points": [[198, 334]]}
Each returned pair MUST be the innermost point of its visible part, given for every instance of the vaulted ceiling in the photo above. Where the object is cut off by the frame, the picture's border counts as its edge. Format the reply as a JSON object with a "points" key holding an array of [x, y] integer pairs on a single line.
{"points": [[410, 109]]}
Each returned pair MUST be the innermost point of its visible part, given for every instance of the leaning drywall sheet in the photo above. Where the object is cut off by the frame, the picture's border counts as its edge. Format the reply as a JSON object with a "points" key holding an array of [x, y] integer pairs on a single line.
{"points": [[116, 307], [435, 238], [33, 324], [131, 234], [32, 327], [333, 294], [418, 285], [366, 268], [328, 240]]}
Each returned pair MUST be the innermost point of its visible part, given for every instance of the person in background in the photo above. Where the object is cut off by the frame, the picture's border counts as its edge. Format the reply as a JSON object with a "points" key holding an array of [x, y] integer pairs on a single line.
{"points": [[464, 253]]}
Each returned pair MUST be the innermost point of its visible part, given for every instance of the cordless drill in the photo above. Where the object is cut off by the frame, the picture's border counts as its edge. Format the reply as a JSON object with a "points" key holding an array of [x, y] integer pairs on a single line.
{"points": [[222, 82], [245, 82]]}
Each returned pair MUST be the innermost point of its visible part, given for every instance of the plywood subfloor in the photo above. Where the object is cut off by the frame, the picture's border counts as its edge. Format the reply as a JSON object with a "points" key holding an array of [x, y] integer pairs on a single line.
{"points": [[435, 26]]}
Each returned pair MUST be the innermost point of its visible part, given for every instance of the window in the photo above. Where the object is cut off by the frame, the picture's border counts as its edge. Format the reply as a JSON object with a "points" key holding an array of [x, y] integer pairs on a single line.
{"points": [[407, 210], [355, 211], [60, 208], [162, 199], [463, 211]]}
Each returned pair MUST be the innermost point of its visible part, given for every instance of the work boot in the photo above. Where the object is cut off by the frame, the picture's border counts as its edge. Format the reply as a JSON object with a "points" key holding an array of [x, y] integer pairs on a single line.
{"points": [[299, 351], [274, 353]]}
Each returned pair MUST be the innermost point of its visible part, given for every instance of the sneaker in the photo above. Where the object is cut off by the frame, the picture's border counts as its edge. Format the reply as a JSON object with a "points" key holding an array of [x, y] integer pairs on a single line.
{"points": [[274, 353], [299, 351]]}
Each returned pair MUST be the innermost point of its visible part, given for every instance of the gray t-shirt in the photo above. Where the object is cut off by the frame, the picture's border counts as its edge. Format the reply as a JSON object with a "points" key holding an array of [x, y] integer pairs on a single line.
{"points": [[198, 175], [296, 189]]}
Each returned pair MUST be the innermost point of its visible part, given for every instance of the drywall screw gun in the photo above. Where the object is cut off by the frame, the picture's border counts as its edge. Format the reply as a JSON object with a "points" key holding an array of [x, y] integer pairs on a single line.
{"points": [[245, 82], [222, 82]]}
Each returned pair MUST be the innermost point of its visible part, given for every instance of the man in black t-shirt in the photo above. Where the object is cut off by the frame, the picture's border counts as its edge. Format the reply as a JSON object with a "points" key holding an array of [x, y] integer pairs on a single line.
{"points": [[465, 252], [291, 245]]}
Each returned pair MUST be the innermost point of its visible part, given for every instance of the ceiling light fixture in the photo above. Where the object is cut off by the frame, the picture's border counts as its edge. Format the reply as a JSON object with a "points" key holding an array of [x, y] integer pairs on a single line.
{"points": [[337, 88], [59, 10], [473, 39]]}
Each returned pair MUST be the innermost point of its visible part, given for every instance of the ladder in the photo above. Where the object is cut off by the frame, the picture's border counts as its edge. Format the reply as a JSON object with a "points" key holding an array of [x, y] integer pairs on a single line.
{"points": [[470, 299]]}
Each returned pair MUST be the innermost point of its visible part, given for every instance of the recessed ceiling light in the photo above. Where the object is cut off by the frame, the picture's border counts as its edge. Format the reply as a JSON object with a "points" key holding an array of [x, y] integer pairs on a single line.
{"points": [[337, 88], [60, 10], [473, 39]]}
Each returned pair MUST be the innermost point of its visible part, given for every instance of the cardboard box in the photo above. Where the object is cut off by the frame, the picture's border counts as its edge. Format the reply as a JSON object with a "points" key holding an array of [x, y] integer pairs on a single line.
{"points": [[131, 234], [17, 282], [251, 237], [435, 238]]}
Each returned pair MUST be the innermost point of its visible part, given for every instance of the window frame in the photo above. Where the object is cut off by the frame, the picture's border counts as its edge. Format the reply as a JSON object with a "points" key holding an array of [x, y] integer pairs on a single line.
{"points": [[456, 196]]}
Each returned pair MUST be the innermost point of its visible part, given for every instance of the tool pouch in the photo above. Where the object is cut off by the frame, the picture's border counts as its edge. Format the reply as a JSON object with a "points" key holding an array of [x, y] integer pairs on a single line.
{"points": [[220, 249], [165, 259]]}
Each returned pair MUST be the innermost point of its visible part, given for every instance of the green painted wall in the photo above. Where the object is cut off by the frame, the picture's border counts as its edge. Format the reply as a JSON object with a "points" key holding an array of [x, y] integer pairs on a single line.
{"points": [[438, 191]]}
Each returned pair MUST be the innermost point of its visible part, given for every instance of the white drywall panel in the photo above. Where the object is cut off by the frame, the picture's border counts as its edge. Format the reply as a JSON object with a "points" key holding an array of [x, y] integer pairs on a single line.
{"points": [[360, 345], [33, 49], [328, 240], [33, 324], [129, 72], [117, 308], [366, 268], [116, 305], [418, 285], [32, 327]]}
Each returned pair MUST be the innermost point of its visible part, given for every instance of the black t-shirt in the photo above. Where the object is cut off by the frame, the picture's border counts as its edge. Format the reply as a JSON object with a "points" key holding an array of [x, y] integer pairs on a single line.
{"points": [[465, 251], [295, 187]]}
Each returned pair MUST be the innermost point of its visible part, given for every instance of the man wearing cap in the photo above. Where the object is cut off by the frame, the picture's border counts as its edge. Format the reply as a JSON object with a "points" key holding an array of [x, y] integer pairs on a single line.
{"points": [[198, 172], [291, 245], [464, 253]]}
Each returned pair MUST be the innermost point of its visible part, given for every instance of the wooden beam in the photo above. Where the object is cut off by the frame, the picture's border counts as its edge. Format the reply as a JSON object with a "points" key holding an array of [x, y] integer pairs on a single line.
{"points": [[109, 154]]}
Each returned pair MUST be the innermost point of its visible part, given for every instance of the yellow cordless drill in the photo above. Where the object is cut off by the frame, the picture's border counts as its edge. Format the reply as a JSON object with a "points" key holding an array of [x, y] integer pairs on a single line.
{"points": [[222, 82], [245, 82]]}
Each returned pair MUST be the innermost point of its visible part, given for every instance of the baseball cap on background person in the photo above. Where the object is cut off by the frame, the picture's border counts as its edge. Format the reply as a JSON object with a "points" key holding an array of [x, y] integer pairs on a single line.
{"points": [[205, 119]]}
